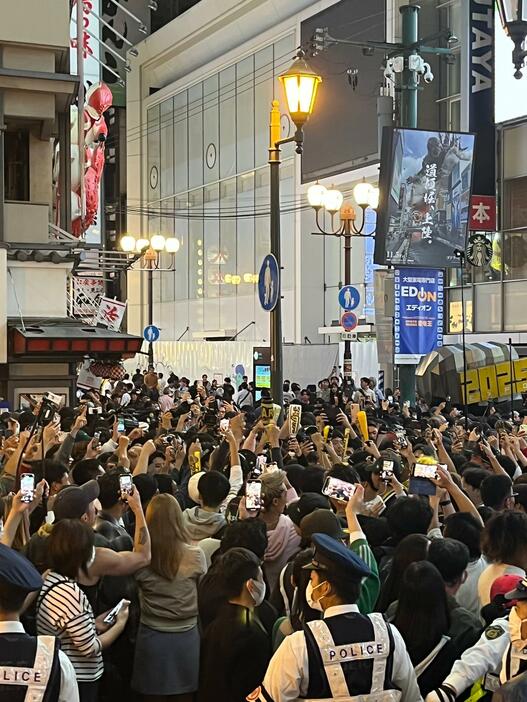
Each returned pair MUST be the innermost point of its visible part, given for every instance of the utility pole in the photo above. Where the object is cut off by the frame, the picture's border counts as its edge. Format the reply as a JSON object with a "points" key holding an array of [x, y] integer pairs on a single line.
{"points": [[409, 88], [411, 45]]}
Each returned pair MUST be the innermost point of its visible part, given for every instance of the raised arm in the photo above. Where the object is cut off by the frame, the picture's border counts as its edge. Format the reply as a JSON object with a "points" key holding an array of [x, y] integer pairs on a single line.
{"points": [[142, 462], [108, 562]]}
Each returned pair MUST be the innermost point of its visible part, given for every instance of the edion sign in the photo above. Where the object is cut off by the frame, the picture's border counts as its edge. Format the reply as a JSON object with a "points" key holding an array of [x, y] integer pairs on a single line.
{"points": [[420, 293]]}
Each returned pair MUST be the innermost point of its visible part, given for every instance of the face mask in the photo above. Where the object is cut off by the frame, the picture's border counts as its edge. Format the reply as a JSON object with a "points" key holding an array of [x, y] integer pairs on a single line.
{"points": [[92, 559], [257, 591], [519, 644], [314, 604]]}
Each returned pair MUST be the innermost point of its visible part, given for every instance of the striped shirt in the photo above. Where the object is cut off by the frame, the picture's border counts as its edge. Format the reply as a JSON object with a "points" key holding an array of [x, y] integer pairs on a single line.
{"points": [[66, 613]]}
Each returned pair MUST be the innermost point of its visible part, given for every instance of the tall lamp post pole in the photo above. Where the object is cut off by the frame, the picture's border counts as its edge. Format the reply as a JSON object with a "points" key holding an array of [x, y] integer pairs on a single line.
{"points": [[277, 372], [460, 255], [149, 251], [150, 313], [365, 195], [300, 86]]}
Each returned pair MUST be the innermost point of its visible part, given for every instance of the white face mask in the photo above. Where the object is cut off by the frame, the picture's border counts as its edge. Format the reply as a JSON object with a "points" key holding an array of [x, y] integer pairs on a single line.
{"points": [[314, 604], [257, 591]]}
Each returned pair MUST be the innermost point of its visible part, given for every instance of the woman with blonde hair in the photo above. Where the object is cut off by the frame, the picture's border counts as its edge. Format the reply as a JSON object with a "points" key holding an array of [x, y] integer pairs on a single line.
{"points": [[283, 539], [166, 662]]}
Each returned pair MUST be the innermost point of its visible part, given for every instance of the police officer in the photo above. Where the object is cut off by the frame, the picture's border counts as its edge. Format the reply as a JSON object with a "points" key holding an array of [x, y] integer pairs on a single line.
{"points": [[346, 656], [31, 667], [499, 656]]}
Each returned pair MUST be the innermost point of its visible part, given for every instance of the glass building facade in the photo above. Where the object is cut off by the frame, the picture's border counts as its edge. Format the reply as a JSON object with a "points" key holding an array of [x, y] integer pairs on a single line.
{"points": [[208, 185]]}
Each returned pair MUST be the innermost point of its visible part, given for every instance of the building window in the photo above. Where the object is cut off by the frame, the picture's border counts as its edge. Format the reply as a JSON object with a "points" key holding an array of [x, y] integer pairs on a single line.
{"points": [[515, 229], [16, 165]]}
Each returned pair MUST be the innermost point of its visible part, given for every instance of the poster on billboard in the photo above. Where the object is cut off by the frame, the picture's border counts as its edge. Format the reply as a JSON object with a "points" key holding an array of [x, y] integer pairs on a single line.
{"points": [[425, 183], [419, 313]]}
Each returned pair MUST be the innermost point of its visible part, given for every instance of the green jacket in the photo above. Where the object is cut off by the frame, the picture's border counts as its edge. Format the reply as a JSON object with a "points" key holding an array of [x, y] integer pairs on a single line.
{"points": [[370, 585]]}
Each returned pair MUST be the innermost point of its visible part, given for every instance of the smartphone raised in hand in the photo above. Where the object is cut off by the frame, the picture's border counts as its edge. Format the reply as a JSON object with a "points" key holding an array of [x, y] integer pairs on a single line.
{"points": [[27, 486], [253, 495], [338, 489], [387, 470], [421, 479], [126, 484]]}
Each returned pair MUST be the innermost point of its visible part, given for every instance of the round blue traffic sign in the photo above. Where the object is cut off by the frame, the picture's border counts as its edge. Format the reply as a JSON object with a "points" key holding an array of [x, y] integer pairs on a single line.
{"points": [[349, 297], [269, 283], [151, 333], [349, 321]]}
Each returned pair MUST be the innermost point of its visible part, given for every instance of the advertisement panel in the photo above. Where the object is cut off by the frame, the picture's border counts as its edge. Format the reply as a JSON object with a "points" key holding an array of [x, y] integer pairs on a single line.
{"points": [[481, 98], [425, 183], [419, 310]]}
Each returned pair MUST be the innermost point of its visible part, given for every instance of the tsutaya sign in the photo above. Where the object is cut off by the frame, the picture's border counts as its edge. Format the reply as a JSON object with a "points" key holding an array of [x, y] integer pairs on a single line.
{"points": [[481, 102]]}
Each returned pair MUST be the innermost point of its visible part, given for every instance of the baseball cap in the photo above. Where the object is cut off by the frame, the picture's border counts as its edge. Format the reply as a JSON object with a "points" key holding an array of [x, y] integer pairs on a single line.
{"points": [[193, 491], [519, 592], [307, 503], [504, 585], [73, 501], [321, 521]]}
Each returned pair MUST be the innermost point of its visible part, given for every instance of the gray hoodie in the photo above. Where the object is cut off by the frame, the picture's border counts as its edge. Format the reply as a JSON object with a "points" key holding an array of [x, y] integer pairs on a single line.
{"points": [[201, 524]]}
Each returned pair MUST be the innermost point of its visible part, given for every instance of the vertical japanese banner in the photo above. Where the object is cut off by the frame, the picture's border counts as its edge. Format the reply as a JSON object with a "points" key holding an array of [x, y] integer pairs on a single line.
{"points": [[419, 310]]}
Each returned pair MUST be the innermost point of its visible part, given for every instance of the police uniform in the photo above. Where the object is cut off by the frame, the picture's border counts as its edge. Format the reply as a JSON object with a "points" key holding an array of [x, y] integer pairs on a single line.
{"points": [[32, 668], [483, 659], [498, 657], [346, 656]]}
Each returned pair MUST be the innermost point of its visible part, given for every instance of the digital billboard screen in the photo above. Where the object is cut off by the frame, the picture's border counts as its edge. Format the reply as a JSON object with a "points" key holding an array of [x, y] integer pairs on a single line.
{"points": [[425, 183]]}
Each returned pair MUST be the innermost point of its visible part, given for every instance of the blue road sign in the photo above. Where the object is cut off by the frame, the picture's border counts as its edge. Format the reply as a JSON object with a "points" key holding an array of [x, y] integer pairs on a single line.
{"points": [[349, 297], [151, 333], [269, 283], [349, 321]]}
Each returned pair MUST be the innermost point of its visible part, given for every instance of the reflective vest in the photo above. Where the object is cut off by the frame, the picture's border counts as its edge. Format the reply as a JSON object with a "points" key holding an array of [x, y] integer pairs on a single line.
{"points": [[29, 668], [351, 659]]}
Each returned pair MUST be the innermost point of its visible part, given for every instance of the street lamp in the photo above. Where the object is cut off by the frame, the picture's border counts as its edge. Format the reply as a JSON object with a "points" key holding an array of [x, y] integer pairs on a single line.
{"points": [[365, 195], [513, 14], [150, 250], [300, 84]]}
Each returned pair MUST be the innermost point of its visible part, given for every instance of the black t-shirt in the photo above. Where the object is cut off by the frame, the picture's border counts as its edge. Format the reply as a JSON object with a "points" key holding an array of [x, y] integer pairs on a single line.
{"points": [[228, 392], [235, 652]]}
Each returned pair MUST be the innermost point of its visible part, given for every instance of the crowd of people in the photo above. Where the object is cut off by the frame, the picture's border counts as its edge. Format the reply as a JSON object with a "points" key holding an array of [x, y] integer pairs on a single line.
{"points": [[175, 540]]}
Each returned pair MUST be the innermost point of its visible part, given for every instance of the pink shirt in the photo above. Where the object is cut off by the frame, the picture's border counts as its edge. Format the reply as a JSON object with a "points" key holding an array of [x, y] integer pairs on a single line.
{"points": [[166, 403]]}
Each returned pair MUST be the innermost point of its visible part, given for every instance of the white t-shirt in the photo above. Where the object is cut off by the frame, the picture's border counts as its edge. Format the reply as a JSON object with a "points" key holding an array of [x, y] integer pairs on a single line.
{"points": [[467, 596], [125, 399], [489, 575]]}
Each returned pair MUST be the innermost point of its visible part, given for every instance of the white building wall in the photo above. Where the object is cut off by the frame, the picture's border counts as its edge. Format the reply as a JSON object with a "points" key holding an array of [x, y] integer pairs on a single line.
{"points": [[204, 41]]}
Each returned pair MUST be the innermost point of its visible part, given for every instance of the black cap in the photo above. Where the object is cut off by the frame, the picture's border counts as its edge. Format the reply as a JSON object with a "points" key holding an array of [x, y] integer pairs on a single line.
{"points": [[334, 553], [321, 521], [16, 570], [309, 502], [73, 501]]}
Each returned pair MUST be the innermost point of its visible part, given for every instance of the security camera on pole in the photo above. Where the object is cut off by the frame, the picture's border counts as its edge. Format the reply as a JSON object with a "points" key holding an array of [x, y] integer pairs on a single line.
{"points": [[404, 65]]}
